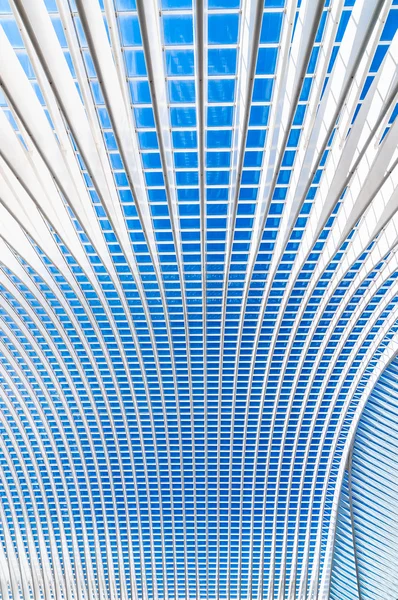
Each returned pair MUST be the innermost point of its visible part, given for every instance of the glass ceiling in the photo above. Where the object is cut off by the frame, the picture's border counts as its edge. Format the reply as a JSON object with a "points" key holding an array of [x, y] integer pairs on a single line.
{"points": [[367, 532], [198, 235]]}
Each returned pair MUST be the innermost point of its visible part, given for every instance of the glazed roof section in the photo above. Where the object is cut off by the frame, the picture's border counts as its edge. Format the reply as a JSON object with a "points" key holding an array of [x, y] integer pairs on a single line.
{"points": [[198, 229], [367, 537]]}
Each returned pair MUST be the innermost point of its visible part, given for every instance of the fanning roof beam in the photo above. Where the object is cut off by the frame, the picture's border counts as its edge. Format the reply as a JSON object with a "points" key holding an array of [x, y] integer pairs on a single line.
{"points": [[200, 21], [153, 49], [60, 161], [360, 29], [389, 352], [120, 125], [289, 79], [249, 37], [354, 540], [82, 120]]}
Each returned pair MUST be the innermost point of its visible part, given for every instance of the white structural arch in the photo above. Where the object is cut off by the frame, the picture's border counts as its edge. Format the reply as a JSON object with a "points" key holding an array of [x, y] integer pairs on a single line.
{"points": [[198, 298]]}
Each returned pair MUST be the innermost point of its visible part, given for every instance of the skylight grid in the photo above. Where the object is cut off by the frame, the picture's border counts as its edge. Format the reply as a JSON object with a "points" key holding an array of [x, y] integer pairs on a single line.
{"points": [[195, 289]]}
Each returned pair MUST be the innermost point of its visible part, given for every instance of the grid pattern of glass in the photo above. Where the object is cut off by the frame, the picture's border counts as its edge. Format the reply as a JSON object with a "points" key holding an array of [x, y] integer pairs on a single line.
{"points": [[198, 236], [367, 533]]}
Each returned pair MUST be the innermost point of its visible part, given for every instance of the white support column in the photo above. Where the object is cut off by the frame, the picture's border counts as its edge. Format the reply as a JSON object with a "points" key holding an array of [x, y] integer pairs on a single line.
{"points": [[149, 18]]}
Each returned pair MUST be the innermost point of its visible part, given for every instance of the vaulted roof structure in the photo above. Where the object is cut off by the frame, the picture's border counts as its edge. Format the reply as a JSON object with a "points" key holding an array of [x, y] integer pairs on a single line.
{"points": [[198, 299]]}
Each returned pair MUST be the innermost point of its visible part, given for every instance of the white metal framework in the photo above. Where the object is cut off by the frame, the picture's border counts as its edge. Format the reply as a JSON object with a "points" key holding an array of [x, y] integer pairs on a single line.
{"points": [[198, 237]]}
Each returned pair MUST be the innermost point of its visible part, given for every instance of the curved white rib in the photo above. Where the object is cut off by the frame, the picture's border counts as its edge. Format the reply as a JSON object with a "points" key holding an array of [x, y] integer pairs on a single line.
{"points": [[128, 468]]}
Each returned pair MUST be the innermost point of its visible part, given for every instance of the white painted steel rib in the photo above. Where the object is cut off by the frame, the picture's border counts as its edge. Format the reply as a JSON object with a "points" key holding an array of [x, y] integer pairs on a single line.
{"points": [[5, 575], [5, 582], [29, 255], [249, 37], [302, 305], [361, 308], [363, 31], [108, 64], [71, 564], [378, 221], [115, 96], [200, 16], [354, 541], [13, 555], [363, 336], [344, 578], [289, 78], [389, 352], [379, 281], [115, 330], [34, 344], [305, 40], [153, 49], [66, 574]]}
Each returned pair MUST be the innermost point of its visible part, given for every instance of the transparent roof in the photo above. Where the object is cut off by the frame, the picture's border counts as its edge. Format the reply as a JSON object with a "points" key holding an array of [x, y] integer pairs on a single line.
{"points": [[198, 233]]}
